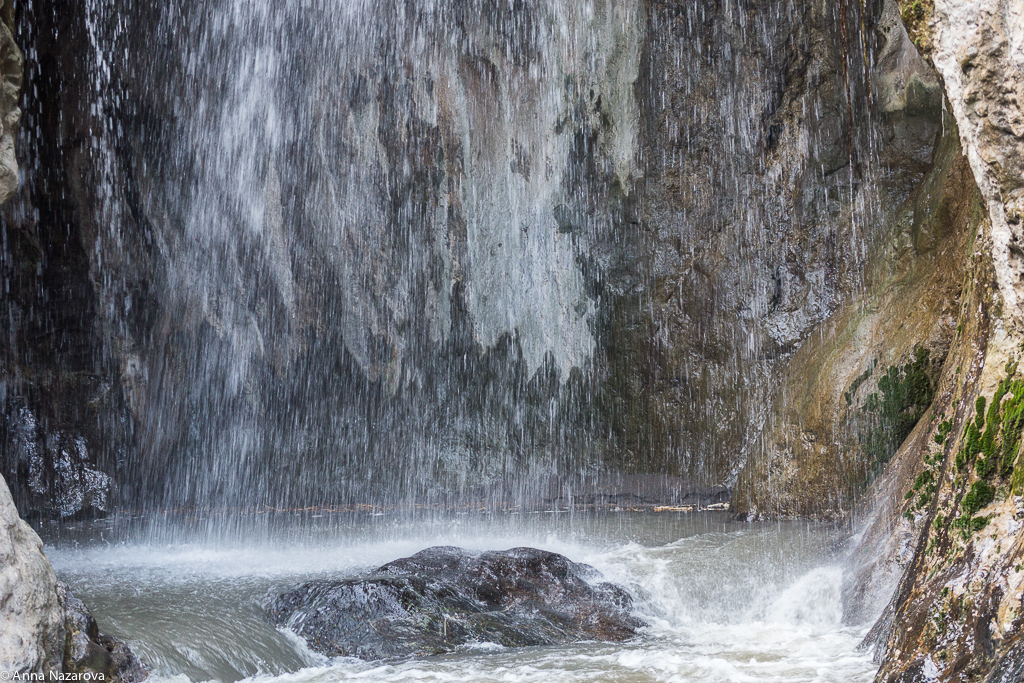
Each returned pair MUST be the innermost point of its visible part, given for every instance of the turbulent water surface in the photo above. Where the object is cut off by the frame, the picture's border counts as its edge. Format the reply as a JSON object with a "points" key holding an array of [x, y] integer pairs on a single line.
{"points": [[726, 601]]}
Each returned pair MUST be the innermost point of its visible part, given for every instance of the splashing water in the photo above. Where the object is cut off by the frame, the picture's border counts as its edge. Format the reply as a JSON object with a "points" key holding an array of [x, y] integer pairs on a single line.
{"points": [[422, 252], [725, 601]]}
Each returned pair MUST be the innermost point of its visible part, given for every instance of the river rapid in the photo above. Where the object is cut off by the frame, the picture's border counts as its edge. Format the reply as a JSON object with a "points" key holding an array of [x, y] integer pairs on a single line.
{"points": [[726, 601]]}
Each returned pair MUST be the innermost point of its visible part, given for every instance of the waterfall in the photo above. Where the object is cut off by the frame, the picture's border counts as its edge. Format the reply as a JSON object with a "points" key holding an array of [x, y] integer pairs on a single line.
{"points": [[365, 228], [439, 253]]}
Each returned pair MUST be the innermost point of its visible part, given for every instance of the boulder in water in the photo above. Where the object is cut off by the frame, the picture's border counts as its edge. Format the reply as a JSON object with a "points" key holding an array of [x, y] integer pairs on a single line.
{"points": [[46, 631], [445, 597]]}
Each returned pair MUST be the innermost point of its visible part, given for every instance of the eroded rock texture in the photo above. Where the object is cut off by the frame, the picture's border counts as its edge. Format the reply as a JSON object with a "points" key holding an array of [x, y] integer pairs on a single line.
{"points": [[11, 73], [825, 433], [979, 50], [443, 598], [44, 629], [948, 513]]}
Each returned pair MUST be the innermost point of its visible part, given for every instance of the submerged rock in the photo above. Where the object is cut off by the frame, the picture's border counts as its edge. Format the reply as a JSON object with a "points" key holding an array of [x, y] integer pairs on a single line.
{"points": [[445, 597], [86, 650]]}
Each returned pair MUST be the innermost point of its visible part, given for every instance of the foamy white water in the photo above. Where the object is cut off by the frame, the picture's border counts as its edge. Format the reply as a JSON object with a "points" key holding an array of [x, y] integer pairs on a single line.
{"points": [[726, 601]]}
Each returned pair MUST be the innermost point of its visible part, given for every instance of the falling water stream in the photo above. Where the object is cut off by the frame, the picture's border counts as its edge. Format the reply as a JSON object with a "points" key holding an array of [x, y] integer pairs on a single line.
{"points": [[420, 252], [410, 254], [726, 601]]}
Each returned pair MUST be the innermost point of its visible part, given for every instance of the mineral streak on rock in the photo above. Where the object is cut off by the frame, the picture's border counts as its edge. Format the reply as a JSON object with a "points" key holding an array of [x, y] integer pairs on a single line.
{"points": [[445, 597]]}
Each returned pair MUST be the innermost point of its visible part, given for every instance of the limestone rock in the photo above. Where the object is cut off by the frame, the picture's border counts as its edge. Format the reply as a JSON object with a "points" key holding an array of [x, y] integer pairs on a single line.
{"points": [[43, 627], [979, 51], [31, 618], [12, 64], [956, 611]]}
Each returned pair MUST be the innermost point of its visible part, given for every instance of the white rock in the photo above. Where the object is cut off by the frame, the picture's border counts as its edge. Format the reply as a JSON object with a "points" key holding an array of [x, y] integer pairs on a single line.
{"points": [[31, 619]]}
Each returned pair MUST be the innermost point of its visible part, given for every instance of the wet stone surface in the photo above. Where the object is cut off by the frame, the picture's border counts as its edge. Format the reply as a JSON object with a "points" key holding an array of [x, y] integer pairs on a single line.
{"points": [[446, 597]]}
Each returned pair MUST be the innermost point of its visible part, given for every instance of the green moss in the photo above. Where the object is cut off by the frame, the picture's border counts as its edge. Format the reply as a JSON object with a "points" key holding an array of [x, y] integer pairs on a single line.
{"points": [[1003, 425], [939, 521], [913, 10], [944, 429], [988, 441], [971, 524], [971, 447], [997, 402], [863, 377], [1013, 424], [961, 460], [980, 495], [924, 478], [985, 467], [1017, 481], [988, 465], [904, 395]]}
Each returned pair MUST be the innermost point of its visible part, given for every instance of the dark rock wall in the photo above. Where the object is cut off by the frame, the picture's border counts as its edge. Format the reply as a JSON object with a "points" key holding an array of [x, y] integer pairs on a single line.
{"points": [[432, 269], [768, 188], [827, 434], [63, 429]]}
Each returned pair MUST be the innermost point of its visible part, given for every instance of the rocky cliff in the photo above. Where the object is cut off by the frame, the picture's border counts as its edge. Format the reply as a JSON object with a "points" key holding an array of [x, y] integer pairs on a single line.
{"points": [[32, 635], [947, 512], [766, 248], [514, 255]]}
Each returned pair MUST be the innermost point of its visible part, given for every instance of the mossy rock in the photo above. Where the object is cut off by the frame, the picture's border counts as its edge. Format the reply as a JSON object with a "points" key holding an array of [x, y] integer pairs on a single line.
{"points": [[904, 395]]}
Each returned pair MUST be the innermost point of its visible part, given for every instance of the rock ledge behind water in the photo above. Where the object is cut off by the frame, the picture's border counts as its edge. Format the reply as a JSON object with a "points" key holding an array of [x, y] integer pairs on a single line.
{"points": [[445, 597]]}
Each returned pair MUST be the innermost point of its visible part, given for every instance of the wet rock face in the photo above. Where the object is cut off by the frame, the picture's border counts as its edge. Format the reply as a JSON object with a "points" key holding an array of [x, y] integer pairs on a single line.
{"points": [[55, 383], [516, 249], [445, 597], [977, 48], [815, 449], [43, 627], [951, 518]]}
